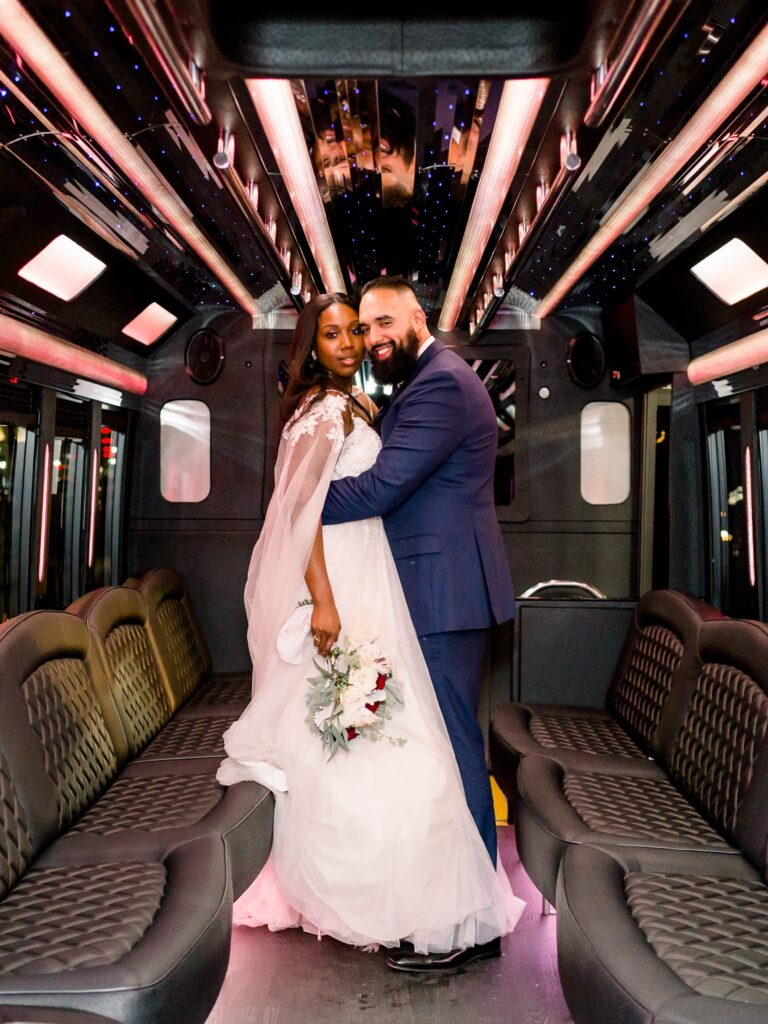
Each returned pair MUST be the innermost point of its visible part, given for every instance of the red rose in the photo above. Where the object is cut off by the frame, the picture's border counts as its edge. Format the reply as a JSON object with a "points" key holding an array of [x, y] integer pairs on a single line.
{"points": [[373, 708], [381, 681], [351, 732]]}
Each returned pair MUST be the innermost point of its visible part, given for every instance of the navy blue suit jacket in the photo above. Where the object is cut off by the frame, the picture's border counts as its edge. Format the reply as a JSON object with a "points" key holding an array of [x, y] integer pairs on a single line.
{"points": [[433, 485]]}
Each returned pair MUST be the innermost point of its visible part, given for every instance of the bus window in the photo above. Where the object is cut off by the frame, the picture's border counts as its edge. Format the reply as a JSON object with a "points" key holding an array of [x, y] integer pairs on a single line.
{"points": [[18, 438], [17, 484], [185, 450], [605, 453], [732, 573], [67, 507], [499, 378], [104, 554]]}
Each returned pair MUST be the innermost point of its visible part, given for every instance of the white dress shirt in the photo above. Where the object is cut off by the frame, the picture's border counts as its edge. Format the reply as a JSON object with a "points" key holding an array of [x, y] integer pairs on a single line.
{"points": [[424, 346]]}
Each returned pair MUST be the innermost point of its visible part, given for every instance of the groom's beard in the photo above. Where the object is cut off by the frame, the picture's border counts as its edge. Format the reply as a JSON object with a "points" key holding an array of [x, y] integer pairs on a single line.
{"points": [[405, 355]]}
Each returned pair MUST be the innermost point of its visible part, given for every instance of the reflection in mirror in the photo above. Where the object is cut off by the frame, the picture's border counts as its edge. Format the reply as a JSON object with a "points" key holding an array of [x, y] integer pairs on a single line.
{"points": [[499, 379], [395, 162], [185, 450]]}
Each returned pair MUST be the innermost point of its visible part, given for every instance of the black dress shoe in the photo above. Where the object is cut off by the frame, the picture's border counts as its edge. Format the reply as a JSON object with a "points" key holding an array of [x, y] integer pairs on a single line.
{"points": [[455, 960]]}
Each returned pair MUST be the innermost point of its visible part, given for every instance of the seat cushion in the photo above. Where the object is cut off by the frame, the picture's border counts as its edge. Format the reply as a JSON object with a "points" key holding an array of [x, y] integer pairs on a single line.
{"points": [[180, 799], [555, 808], [152, 804], [189, 737], [652, 937], [74, 918], [136, 938], [712, 932], [231, 688], [572, 736]]}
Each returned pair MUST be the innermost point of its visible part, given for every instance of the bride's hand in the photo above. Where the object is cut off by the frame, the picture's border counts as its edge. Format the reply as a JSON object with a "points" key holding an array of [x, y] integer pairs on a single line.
{"points": [[326, 626]]}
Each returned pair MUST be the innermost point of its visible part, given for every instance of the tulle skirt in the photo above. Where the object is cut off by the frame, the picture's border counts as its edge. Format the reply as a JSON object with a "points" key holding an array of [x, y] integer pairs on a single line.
{"points": [[375, 846]]}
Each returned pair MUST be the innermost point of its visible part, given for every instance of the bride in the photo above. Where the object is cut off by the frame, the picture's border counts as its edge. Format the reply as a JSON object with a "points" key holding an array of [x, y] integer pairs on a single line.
{"points": [[374, 845]]}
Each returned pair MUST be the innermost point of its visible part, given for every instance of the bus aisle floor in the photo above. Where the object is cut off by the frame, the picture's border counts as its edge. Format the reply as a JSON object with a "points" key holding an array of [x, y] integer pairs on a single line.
{"points": [[290, 978]]}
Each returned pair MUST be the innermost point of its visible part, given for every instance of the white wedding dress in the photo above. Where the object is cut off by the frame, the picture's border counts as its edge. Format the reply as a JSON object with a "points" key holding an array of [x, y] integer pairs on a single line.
{"points": [[376, 845]]}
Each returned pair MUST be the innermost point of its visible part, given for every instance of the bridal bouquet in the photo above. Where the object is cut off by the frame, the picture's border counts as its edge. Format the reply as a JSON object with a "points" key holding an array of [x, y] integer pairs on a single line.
{"points": [[353, 696]]}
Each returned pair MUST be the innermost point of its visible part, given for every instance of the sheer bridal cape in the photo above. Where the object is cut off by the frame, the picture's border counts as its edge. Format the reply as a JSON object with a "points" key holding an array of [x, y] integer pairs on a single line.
{"points": [[377, 845]]}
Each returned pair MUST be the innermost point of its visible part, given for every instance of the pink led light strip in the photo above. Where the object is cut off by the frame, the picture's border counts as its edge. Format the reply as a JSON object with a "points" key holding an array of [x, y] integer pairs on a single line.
{"points": [[749, 514], [92, 524], [22, 33], [23, 340], [739, 355], [737, 84], [520, 103], [43, 540], [277, 112]]}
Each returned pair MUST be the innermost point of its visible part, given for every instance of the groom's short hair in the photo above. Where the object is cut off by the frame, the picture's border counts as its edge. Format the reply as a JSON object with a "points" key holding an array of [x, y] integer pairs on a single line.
{"points": [[396, 283]]}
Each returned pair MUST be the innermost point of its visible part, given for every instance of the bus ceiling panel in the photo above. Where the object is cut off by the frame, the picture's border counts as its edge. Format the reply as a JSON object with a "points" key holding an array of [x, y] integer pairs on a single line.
{"points": [[97, 316], [535, 37], [122, 159], [686, 303], [668, 96]]}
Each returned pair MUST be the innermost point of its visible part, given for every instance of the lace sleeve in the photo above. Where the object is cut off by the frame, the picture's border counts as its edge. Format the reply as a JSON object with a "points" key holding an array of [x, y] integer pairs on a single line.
{"points": [[309, 448], [310, 440]]}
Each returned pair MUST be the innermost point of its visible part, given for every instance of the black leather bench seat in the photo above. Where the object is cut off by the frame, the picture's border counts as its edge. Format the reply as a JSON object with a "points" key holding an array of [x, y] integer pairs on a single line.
{"points": [[555, 808], [117, 870], [223, 688], [642, 705], [661, 937], [184, 657], [151, 804], [75, 918], [188, 737], [703, 788], [712, 932], [118, 934]]}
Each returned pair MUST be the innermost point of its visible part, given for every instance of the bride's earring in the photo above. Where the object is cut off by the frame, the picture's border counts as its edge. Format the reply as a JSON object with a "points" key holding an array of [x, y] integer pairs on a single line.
{"points": [[313, 356]]}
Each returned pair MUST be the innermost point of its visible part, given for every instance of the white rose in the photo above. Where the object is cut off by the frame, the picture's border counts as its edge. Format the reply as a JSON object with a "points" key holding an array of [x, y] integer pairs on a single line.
{"points": [[352, 696], [357, 717], [364, 678]]}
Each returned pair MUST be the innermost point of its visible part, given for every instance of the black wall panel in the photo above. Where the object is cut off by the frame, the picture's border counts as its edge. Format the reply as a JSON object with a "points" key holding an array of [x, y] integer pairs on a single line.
{"points": [[211, 542]]}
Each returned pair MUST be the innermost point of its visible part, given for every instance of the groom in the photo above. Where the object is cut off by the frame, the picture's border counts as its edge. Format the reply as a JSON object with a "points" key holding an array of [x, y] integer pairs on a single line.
{"points": [[433, 485]]}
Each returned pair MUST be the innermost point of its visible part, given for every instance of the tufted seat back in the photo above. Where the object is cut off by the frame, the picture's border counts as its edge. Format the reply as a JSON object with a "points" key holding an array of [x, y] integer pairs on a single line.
{"points": [[719, 758], [58, 733], [659, 657], [183, 652], [123, 641]]}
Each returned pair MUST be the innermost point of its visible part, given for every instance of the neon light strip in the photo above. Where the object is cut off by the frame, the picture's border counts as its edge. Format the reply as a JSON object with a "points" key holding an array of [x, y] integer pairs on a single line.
{"points": [[722, 362], [275, 105], [32, 343], [92, 525], [43, 541], [520, 103], [32, 45], [734, 88], [748, 510]]}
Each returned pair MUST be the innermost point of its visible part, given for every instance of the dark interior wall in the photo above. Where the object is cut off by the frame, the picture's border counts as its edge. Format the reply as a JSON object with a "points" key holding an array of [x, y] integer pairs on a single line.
{"points": [[565, 537], [209, 542]]}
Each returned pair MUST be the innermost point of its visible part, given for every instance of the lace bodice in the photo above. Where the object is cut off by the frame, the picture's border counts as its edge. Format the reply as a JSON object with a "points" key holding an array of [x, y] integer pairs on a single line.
{"points": [[359, 451]]}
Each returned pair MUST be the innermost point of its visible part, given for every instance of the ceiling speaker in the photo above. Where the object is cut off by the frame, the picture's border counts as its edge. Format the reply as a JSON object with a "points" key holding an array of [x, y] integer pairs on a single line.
{"points": [[585, 357], [204, 356]]}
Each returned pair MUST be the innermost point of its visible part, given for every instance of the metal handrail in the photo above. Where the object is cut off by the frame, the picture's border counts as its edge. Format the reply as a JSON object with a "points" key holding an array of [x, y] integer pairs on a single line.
{"points": [[576, 584]]}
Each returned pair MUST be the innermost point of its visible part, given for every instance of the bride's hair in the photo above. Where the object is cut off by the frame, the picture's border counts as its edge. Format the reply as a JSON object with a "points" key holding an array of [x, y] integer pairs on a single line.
{"points": [[305, 371]]}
